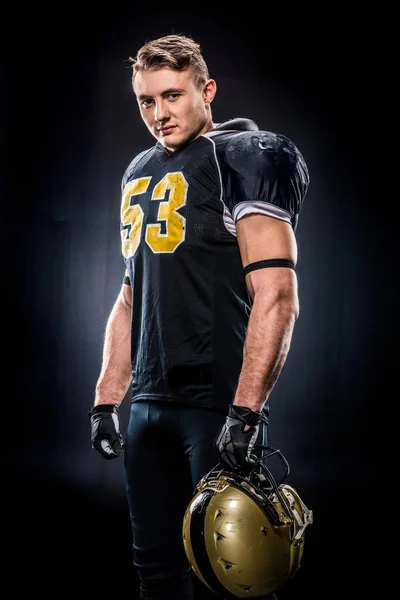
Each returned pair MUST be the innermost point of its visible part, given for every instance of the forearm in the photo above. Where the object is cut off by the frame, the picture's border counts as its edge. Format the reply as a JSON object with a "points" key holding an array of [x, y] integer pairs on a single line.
{"points": [[266, 347], [116, 371]]}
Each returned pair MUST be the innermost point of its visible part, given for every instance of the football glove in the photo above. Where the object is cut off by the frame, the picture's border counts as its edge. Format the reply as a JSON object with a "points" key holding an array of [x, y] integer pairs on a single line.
{"points": [[233, 445], [106, 437]]}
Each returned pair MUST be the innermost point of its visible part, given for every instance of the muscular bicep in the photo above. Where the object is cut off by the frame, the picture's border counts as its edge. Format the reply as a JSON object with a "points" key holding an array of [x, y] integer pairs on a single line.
{"points": [[261, 237]]}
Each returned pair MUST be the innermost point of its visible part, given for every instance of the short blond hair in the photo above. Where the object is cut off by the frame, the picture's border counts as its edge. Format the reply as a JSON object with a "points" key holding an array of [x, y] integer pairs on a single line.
{"points": [[176, 51]]}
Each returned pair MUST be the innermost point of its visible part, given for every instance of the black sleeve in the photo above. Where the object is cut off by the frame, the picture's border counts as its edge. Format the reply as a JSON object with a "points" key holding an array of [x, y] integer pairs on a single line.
{"points": [[267, 174]]}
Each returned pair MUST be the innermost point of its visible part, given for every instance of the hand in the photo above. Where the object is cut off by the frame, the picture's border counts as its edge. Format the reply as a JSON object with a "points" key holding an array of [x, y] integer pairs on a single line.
{"points": [[233, 444], [106, 436]]}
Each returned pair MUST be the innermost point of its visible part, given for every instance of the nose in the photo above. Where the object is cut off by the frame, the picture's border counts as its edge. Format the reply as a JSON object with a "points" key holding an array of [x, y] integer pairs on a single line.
{"points": [[161, 111]]}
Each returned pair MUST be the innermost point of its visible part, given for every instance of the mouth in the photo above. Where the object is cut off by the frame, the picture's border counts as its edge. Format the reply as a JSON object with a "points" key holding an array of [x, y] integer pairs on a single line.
{"points": [[167, 129]]}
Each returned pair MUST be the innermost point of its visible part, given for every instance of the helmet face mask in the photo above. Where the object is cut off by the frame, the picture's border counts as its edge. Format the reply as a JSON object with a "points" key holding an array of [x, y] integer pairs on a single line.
{"points": [[243, 533]]}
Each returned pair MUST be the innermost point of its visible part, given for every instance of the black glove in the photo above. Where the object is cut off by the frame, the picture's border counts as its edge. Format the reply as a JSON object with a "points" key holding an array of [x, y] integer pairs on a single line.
{"points": [[106, 436], [234, 445]]}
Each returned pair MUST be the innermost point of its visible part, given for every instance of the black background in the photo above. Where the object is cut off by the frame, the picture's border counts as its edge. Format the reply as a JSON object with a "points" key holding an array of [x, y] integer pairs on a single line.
{"points": [[70, 125]]}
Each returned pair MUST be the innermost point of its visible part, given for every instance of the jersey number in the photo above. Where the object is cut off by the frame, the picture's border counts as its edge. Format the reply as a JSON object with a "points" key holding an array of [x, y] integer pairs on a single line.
{"points": [[132, 215]]}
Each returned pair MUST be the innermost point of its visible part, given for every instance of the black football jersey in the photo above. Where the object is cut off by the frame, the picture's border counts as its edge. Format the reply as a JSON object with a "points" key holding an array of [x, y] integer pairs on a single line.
{"points": [[178, 213]]}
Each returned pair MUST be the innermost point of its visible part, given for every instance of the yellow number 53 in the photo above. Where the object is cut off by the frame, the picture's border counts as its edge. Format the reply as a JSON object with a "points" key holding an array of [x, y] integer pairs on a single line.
{"points": [[132, 216]]}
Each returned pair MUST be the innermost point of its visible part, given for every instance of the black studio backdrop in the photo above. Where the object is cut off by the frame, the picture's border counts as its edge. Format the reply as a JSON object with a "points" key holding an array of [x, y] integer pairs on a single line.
{"points": [[70, 125]]}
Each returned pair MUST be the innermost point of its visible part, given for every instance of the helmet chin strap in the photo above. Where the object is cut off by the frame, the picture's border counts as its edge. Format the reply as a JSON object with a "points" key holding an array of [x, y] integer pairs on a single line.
{"points": [[307, 521], [308, 515]]}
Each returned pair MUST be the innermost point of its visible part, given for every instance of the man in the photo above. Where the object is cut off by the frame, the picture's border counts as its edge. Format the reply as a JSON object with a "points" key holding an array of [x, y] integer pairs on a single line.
{"points": [[203, 322]]}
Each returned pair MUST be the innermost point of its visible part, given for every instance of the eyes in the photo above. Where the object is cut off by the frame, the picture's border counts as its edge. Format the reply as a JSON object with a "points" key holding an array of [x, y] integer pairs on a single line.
{"points": [[149, 101]]}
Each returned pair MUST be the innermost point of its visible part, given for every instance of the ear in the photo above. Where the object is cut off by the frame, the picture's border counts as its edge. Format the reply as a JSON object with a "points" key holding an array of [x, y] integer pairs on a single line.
{"points": [[209, 91]]}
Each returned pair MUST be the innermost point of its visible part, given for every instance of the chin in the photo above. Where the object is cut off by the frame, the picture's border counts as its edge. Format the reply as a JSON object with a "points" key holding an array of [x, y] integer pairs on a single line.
{"points": [[171, 144]]}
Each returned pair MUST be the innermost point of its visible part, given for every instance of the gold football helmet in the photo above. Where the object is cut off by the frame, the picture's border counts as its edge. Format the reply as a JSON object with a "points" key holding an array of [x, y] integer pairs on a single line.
{"points": [[244, 533]]}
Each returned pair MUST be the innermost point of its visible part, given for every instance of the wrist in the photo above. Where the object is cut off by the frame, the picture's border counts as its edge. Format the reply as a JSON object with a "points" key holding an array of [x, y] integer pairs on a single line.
{"points": [[103, 408], [245, 414], [255, 406]]}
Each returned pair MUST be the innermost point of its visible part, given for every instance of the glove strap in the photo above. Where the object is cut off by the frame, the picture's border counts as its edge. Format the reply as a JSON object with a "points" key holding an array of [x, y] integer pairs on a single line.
{"points": [[101, 408], [244, 414]]}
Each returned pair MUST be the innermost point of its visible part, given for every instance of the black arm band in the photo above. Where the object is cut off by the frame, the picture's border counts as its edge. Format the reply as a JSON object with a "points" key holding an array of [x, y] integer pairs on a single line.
{"points": [[126, 280], [272, 262]]}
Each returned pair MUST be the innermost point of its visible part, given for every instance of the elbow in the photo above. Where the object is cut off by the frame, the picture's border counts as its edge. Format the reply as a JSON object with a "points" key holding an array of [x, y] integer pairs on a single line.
{"points": [[282, 300], [291, 299], [289, 306], [125, 299], [295, 309]]}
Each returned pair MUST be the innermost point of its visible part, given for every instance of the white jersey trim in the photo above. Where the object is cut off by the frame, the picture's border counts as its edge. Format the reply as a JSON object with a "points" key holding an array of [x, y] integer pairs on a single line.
{"points": [[261, 208]]}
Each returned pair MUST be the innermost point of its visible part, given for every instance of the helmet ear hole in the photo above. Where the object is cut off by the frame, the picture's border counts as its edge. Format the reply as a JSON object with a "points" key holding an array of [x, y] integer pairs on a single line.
{"points": [[244, 534]]}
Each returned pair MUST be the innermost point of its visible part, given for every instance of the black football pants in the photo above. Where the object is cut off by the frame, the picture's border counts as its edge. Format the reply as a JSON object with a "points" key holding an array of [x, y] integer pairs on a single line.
{"points": [[169, 447]]}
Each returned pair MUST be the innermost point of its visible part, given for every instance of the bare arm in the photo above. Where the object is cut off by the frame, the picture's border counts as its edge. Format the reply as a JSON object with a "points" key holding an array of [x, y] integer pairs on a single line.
{"points": [[275, 306], [116, 370]]}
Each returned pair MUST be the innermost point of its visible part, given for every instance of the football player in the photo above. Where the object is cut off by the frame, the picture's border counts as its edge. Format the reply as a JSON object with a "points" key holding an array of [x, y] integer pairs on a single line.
{"points": [[204, 319]]}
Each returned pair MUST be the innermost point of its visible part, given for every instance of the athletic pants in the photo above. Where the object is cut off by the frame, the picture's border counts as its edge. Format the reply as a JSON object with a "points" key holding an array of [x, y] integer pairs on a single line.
{"points": [[169, 448]]}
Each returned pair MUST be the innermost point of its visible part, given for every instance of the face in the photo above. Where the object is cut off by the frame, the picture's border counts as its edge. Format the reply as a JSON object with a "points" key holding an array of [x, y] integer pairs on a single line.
{"points": [[174, 109]]}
